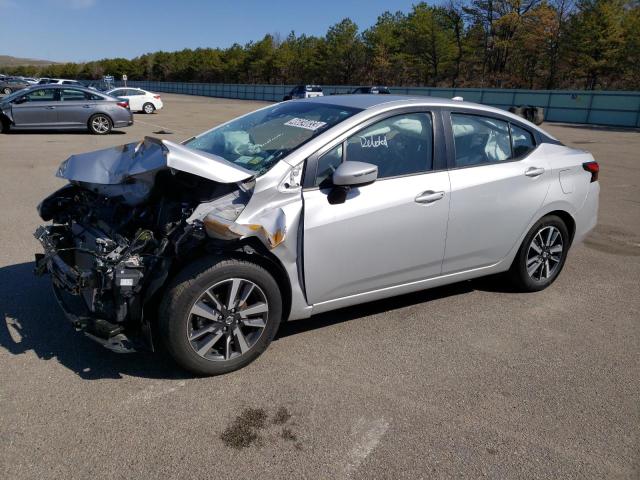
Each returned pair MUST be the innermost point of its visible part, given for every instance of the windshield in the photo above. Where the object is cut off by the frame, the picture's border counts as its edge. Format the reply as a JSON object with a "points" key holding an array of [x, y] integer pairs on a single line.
{"points": [[259, 140]]}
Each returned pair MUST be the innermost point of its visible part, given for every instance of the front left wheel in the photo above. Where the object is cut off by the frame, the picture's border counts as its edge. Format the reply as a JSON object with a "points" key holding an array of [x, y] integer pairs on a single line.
{"points": [[219, 315]]}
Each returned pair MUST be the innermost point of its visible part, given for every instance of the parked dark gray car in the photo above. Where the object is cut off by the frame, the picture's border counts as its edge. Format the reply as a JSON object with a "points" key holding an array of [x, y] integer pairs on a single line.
{"points": [[63, 107], [9, 85]]}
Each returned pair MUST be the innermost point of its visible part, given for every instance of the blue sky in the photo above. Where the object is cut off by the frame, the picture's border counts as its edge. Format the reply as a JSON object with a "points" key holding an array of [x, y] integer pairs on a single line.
{"points": [[80, 30]]}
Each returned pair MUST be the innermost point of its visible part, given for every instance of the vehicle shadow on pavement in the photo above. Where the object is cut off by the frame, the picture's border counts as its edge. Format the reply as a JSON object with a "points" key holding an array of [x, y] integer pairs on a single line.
{"points": [[33, 321], [487, 284]]}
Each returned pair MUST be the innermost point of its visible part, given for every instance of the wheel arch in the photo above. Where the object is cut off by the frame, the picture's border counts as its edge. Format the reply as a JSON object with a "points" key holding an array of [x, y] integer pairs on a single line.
{"points": [[248, 249], [251, 249], [568, 220], [100, 112]]}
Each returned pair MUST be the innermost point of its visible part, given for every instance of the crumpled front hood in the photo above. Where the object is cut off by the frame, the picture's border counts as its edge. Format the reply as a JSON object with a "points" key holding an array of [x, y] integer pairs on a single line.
{"points": [[115, 165]]}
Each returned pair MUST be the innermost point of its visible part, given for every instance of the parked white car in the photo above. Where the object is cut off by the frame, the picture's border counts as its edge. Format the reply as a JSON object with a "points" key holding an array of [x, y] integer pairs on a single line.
{"points": [[139, 100], [59, 81]]}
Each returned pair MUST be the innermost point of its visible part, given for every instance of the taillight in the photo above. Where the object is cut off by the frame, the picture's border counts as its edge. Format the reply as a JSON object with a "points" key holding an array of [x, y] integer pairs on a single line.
{"points": [[157, 97], [123, 104], [593, 168]]}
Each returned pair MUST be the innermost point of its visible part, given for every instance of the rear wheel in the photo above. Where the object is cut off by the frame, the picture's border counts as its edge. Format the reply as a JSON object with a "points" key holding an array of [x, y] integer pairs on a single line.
{"points": [[148, 108], [100, 124], [542, 255], [220, 315], [7, 91]]}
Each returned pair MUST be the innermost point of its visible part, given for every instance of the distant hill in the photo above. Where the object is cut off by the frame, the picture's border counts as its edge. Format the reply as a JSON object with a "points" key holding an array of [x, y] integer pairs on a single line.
{"points": [[9, 61]]}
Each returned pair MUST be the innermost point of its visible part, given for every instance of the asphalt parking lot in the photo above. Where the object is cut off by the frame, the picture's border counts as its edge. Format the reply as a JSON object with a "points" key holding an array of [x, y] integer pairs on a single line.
{"points": [[464, 381]]}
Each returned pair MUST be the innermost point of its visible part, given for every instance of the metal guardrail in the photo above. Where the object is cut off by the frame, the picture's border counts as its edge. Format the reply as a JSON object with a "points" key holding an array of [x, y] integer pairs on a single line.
{"points": [[610, 108]]}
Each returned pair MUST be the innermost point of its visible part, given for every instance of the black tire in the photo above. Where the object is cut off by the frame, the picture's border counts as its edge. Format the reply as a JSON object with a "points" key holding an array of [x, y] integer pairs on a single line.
{"points": [[5, 125], [148, 108], [188, 287], [7, 91], [518, 273], [100, 124]]}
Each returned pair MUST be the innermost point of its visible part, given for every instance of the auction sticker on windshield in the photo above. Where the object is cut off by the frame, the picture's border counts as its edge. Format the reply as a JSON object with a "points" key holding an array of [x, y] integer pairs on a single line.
{"points": [[306, 124]]}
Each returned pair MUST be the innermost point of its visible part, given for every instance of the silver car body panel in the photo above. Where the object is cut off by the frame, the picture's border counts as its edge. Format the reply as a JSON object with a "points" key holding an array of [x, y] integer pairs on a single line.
{"points": [[381, 241], [115, 165]]}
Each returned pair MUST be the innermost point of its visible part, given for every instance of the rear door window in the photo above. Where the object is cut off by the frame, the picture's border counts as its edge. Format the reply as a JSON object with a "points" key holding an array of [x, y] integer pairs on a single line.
{"points": [[480, 140], [522, 141], [71, 94]]}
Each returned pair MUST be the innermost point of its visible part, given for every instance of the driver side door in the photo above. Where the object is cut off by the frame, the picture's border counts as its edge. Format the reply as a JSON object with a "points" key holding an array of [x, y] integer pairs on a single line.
{"points": [[385, 234], [36, 109]]}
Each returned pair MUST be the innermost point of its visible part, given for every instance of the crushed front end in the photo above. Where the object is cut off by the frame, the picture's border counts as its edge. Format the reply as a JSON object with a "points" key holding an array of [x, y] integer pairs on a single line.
{"points": [[125, 222]]}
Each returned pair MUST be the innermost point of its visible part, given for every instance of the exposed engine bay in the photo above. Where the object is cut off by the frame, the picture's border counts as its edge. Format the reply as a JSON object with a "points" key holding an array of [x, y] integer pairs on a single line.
{"points": [[129, 216]]}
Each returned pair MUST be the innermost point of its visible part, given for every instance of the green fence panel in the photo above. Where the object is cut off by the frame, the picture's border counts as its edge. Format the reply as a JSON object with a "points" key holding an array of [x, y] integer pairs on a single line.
{"points": [[573, 106]]}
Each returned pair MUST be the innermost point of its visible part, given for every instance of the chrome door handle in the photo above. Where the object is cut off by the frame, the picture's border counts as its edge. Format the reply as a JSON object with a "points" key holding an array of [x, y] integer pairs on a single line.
{"points": [[86, 106], [429, 196], [50, 108], [534, 172]]}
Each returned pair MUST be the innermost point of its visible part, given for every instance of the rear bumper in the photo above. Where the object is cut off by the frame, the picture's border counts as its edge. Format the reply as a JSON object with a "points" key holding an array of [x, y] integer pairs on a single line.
{"points": [[123, 123], [587, 216]]}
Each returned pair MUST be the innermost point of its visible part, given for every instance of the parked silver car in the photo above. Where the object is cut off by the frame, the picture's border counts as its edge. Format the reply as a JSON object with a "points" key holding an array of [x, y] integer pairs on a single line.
{"points": [[305, 207], [8, 85], [63, 107]]}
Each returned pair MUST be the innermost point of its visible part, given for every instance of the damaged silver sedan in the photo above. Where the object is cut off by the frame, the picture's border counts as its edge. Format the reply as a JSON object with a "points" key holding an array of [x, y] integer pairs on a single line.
{"points": [[300, 208]]}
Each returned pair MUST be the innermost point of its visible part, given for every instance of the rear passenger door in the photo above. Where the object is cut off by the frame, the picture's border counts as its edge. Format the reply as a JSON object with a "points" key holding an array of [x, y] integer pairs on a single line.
{"points": [[385, 234], [76, 106], [498, 184]]}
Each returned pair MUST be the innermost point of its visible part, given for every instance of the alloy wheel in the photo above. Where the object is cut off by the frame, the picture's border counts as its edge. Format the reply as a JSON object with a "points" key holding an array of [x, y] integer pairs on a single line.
{"points": [[544, 253], [148, 108], [227, 319], [100, 124]]}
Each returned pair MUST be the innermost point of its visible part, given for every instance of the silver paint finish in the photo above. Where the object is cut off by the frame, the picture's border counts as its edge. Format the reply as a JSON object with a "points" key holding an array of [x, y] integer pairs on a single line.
{"points": [[115, 165], [355, 173], [403, 234], [381, 236]]}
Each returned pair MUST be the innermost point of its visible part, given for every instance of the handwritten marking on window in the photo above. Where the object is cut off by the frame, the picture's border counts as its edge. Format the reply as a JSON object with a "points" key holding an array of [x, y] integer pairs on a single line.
{"points": [[374, 141]]}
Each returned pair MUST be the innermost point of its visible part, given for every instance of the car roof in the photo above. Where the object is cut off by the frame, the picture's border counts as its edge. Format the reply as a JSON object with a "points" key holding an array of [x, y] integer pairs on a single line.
{"points": [[368, 101], [365, 102], [60, 87]]}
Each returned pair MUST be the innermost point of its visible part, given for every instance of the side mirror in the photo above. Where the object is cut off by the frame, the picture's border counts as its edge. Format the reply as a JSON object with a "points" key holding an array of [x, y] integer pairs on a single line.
{"points": [[20, 100], [353, 174], [350, 174]]}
